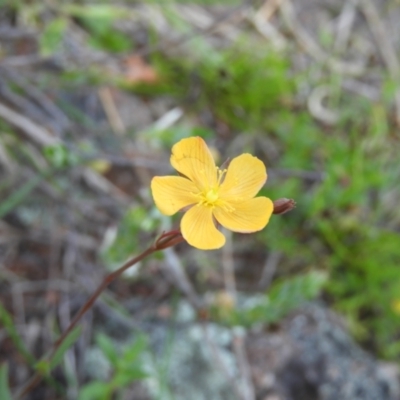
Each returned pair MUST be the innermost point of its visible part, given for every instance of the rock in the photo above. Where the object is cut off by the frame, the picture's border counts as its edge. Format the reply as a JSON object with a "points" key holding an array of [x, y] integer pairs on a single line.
{"points": [[193, 370], [312, 357], [309, 356]]}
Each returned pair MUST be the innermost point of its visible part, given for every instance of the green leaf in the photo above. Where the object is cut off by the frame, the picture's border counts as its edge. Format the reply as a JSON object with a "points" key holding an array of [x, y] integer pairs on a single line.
{"points": [[59, 156], [282, 298], [7, 322], [299, 288], [108, 348], [68, 342], [96, 11], [52, 36], [291, 293], [19, 195], [95, 391], [132, 352], [5, 393], [99, 20], [9, 326], [110, 40], [124, 378]]}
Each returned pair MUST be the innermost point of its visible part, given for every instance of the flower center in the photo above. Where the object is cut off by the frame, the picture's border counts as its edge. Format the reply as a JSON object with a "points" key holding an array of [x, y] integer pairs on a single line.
{"points": [[211, 197]]}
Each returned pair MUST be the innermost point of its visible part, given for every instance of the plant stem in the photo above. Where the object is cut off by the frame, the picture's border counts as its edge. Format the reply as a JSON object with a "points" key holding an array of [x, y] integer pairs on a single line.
{"points": [[166, 240]]}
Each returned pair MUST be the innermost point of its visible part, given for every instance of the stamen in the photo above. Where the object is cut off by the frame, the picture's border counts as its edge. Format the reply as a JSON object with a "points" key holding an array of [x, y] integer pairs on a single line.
{"points": [[209, 197], [221, 173]]}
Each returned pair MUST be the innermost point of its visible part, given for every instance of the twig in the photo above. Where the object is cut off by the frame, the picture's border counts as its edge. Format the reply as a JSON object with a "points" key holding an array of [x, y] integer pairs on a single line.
{"points": [[269, 8], [10, 33], [69, 259], [381, 36], [21, 103], [168, 119], [269, 269], [5, 160], [362, 89], [202, 19], [385, 46], [86, 209], [177, 273], [228, 266], [261, 18], [187, 37], [59, 285], [248, 391], [98, 182], [18, 305], [308, 43], [316, 108], [22, 61], [111, 111], [344, 26], [38, 134], [40, 98], [43, 137]]}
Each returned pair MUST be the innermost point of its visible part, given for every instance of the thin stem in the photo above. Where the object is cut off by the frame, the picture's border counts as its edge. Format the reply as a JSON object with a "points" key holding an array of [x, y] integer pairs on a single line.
{"points": [[166, 240]]}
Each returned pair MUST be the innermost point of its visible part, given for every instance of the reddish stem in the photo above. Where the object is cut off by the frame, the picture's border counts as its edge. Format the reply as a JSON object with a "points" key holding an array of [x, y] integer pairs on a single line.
{"points": [[167, 239]]}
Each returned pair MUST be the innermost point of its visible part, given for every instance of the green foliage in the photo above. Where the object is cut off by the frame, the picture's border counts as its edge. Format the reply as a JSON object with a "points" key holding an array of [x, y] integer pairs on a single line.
{"points": [[238, 86], [67, 343], [44, 367], [8, 324], [341, 224], [126, 364], [98, 19], [281, 298], [5, 393], [60, 156], [19, 195], [103, 13], [52, 35], [104, 37], [286, 295]]}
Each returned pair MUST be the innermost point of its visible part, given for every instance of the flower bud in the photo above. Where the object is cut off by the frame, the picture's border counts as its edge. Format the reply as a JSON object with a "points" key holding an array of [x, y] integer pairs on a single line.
{"points": [[282, 206], [169, 239]]}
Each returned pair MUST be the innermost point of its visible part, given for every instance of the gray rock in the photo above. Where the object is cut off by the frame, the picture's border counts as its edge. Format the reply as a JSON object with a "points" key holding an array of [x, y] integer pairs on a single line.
{"points": [[192, 369], [312, 357], [309, 356]]}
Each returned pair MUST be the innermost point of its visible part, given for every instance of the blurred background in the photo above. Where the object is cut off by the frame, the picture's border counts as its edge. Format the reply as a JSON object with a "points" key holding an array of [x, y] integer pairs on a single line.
{"points": [[92, 97]]}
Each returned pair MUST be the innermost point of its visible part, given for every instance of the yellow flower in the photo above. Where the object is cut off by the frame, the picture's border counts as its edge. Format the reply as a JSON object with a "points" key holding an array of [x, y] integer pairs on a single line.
{"points": [[224, 196]]}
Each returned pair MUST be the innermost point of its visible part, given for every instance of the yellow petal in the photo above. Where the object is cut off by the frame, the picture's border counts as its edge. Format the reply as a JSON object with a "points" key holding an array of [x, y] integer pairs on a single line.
{"points": [[245, 176], [198, 229], [248, 216], [171, 193], [192, 158]]}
